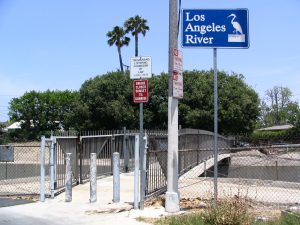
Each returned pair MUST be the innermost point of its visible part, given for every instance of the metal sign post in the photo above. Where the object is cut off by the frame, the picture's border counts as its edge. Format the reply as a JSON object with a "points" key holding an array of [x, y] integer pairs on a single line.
{"points": [[215, 127], [141, 68]]}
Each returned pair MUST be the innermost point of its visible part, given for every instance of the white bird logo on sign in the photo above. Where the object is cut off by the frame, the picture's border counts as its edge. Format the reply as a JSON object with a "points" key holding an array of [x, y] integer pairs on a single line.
{"points": [[236, 25]]}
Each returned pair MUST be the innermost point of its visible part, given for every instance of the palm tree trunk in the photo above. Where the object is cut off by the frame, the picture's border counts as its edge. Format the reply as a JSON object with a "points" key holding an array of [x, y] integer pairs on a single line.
{"points": [[136, 45], [120, 59]]}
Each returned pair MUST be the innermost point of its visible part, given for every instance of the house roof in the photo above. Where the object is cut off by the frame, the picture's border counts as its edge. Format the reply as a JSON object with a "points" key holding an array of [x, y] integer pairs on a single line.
{"points": [[278, 127], [15, 125]]}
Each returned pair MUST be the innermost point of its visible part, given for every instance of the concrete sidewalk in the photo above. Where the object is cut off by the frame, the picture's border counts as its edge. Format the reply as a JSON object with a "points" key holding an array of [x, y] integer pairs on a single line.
{"points": [[80, 211]]}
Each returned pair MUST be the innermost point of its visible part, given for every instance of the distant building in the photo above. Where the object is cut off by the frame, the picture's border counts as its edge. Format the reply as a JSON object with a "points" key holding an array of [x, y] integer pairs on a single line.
{"points": [[277, 128], [14, 126], [17, 125]]}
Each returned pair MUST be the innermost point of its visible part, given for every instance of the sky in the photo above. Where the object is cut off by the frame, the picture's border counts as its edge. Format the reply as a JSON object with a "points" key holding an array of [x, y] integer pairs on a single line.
{"points": [[59, 44]]}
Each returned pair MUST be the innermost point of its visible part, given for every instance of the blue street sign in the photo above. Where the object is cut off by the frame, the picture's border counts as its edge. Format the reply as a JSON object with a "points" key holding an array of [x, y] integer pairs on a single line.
{"points": [[215, 28]]}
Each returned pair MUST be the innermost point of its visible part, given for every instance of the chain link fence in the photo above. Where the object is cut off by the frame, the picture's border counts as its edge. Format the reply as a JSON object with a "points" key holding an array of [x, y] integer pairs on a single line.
{"points": [[194, 149], [262, 171], [21, 175]]}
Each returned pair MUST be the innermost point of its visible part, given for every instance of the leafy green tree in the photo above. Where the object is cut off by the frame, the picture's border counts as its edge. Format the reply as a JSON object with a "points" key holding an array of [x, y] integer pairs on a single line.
{"points": [[278, 108], [42, 111], [238, 103], [156, 110], [106, 103], [117, 37], [136, 25]]}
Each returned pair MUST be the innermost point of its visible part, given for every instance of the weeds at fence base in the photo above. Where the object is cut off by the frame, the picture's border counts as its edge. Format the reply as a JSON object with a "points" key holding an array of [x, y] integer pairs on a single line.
{"points": [[185, 203], [234, 211], [237, 210]]}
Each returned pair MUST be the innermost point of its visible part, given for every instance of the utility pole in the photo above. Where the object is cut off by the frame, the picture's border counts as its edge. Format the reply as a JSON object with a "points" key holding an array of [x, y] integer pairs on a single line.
{"points": [[172, 195]]}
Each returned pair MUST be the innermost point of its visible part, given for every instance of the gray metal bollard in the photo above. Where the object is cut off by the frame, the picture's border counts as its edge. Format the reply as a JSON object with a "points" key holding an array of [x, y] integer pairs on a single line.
{"points": [[116, 177], [68, 178], [93, 178]]}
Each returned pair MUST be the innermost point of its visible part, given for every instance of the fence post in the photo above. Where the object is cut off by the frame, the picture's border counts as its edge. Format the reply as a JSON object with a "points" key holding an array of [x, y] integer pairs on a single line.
{"points": [[143, 173], [112, 150], [42, 161], [68, 178], [93, 178], [136, 172], [116, 177], [55, 165], [125, 151], [52, 179], [276, 169], [80, 147]]}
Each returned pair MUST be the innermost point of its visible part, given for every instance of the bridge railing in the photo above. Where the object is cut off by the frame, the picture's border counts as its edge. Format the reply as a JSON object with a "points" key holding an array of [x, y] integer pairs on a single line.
{"points": [[194, 147]]}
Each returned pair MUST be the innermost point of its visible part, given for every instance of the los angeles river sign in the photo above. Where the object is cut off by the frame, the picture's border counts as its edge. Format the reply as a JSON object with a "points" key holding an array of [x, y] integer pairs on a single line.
{"points": [[140, 67], [215, 28]]}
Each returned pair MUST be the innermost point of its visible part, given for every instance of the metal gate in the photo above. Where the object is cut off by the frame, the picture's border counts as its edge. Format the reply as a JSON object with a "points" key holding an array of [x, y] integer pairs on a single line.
{"points": [[81, 147], [104, 146]]}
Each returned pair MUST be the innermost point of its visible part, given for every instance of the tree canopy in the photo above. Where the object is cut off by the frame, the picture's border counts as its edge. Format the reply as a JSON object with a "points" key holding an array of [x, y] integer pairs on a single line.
{"points": [[42, 111], [238, 103], [117, 37], [136, 25], [106, 103], [278, 108]]}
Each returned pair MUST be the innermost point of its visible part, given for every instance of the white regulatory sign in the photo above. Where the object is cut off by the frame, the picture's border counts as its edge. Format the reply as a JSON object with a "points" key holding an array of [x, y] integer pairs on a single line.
{"points": [[177, 85], [177, 74], [140, 67], [177, 57]]}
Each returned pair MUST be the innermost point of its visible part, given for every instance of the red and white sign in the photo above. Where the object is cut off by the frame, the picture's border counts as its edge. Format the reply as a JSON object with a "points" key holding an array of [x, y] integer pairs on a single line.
{"points": [[177, 57], [140, 91], [177, 74], [177, 84]]}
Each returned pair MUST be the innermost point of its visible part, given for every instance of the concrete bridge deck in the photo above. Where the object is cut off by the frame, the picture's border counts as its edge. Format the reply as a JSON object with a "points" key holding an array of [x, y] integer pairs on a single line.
{"points": [[202, 167]]}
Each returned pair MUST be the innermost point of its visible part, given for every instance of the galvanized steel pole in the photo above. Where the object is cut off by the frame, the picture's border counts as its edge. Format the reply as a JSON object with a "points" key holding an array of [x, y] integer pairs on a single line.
{"points": [[42, 161], [68, 196], [215, 126], [136, 172], [125, 151], [141, 146], [93, 178], [116, 177], [52, 178], [143, 175], [172, 195]]}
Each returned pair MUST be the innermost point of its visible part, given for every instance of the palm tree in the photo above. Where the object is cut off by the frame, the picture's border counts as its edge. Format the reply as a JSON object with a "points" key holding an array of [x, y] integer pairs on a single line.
{"points": [[136, 25], [117, 37]]}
